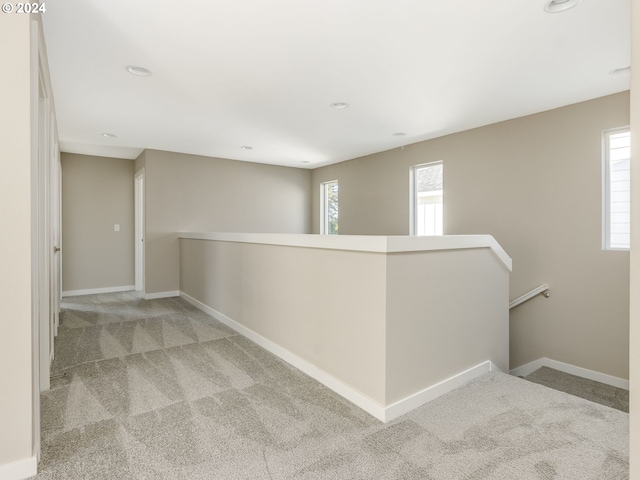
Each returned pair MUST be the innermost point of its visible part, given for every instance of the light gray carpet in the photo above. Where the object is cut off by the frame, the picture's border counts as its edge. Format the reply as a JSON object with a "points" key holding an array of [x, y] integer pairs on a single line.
{"points": [[159, 390], [601, 393]]}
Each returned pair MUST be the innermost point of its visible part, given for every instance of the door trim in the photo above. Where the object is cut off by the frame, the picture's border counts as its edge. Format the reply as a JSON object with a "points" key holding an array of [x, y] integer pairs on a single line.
{"points": [[139, 195]]}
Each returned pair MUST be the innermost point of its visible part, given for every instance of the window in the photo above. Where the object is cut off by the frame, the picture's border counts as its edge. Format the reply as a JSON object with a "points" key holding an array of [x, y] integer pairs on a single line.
{"points": [[427, 194], [329, 208], [617, 189]]}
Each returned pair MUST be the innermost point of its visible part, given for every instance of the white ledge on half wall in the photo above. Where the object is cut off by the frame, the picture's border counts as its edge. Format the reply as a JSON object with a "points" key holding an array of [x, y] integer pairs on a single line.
{"points": [[362, 243]]}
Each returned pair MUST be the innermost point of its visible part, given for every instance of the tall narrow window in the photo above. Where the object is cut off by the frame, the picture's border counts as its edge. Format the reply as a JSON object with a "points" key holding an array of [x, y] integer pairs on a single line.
{"points": [[617, 189], [329, 208], [427, 193]]}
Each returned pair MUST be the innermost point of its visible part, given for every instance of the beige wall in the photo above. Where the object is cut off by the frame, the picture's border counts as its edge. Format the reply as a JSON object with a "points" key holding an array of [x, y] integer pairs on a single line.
{"points": [[447, 311], [97, 193], [534, 183], [635, 246], [16, 374], [194, 193], [325, 306]]}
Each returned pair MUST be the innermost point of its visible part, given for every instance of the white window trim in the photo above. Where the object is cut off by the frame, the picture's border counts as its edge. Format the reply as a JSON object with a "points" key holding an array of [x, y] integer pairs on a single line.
{"points": [[606, 223], [324, 212], [413, 196]]}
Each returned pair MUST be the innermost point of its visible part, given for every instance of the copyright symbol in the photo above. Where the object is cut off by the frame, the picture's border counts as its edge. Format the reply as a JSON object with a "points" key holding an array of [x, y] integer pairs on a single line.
{"points": [[7, 8]]}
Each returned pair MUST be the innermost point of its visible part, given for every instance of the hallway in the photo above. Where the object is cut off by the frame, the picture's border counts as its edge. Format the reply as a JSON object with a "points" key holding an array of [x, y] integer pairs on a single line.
{"points": [[158, 389]]}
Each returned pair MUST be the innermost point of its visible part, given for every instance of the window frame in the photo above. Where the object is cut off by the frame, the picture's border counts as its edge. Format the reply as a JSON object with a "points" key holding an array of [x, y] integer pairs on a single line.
{"points": [[413, 196], [324, 206], [606, 188]]}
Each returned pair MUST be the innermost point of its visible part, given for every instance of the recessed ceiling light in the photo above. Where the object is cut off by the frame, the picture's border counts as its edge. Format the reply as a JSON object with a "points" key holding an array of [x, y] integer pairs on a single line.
{"points": [[109, 135], [399, 134], [620, 71], [339, 105], [246, 147], [557, 6], [306, 161], [138, 71]]}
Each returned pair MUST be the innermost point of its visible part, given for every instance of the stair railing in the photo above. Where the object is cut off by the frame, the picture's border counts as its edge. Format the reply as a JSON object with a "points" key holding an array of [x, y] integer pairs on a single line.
{"points": [[540, 290]]}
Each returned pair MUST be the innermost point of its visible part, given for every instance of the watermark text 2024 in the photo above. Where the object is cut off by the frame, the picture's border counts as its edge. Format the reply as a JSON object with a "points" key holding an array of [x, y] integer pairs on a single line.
{"points": [[24, 7]]}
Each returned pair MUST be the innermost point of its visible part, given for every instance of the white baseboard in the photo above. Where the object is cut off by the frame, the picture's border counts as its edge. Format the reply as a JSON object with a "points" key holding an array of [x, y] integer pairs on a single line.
{"points": [[375, 409], [19, 470], [354, 396], [525, 370], [154, 296], [93, 291], [431, 393]]}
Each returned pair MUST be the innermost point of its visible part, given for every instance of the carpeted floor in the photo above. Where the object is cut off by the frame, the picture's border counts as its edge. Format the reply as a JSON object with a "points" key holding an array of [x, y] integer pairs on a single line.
{"points": [[159, 390], [601, 393]]}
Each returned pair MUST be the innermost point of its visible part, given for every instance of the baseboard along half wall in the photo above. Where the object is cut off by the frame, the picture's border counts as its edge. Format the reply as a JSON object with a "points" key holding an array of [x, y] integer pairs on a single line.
{"points": [[93, 291], [525, 370], [19, 470], [431, 393], [382, 413], [155, 296]]}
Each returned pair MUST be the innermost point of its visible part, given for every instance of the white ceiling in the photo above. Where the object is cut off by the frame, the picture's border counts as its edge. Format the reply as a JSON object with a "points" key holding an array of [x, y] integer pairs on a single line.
{"points": [[264, 73]]}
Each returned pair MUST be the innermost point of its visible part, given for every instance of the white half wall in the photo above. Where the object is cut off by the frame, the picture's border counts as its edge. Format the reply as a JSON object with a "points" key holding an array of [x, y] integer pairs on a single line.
{"points": [[367, 323], [382, 413]]}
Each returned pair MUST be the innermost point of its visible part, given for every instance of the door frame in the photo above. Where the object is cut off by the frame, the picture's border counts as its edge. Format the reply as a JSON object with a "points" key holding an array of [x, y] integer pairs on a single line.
{"points": [[55, 204], [43, 229], [139, 196]]}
